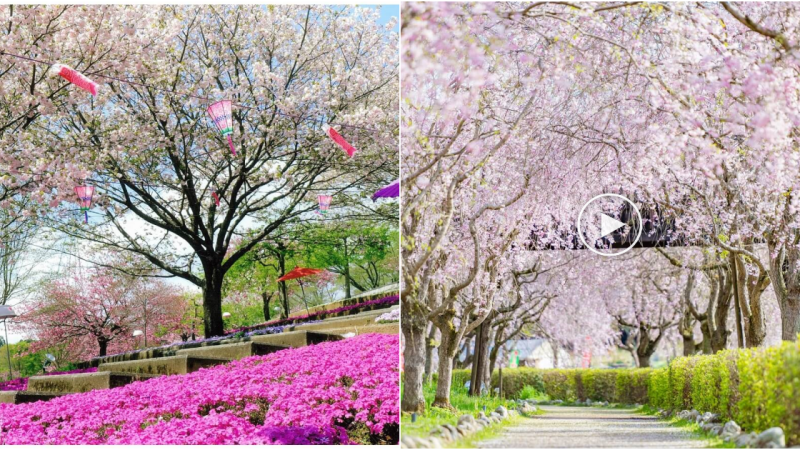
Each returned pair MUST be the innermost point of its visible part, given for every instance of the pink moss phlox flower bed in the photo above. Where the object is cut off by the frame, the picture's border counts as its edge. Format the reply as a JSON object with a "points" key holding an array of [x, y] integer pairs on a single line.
{"points": [[20, 384], [339, 392], [388, 301]]}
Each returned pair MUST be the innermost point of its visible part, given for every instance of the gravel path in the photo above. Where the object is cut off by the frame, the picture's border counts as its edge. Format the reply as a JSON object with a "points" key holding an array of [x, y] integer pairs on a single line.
{"points": [[568, 426]]}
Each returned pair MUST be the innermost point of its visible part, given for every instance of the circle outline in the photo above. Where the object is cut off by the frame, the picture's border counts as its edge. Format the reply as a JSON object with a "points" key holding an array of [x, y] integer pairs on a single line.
{"points": [[583, 239]]}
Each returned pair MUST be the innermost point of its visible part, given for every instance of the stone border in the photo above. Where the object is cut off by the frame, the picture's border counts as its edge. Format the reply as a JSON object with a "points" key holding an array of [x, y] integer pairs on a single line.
{"points": [[161, 352], [448, 434], [730, 431]]}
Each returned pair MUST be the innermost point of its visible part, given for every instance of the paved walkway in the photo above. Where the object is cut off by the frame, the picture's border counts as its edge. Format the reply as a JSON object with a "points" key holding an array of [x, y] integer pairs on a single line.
{"points": [[569, 426]]}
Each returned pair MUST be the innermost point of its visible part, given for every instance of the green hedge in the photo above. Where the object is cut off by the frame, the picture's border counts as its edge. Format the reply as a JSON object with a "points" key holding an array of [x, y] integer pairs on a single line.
{"points": [[620, 386], [758, 388]]}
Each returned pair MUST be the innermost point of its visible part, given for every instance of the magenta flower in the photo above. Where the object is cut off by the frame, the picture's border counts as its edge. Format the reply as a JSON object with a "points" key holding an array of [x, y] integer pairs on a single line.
{"points": [[332, 393]]}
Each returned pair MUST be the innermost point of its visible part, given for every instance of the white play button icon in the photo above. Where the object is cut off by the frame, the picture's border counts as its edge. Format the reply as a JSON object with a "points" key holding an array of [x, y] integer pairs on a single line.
{"points": [[604, 215], [609, 225]]}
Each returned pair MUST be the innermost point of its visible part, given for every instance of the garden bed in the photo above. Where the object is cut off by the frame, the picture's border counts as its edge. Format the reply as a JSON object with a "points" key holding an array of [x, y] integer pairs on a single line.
{"points": [[332, 393]]}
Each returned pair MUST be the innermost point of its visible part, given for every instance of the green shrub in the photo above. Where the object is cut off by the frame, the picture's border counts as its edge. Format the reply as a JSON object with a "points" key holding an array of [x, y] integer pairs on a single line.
{"points": [[758, 388], [658, 389], [531, 393], [561, 384], [460, 377], [597, 384], [769, 389], [515, 380], [632, 386], [680, 383]]}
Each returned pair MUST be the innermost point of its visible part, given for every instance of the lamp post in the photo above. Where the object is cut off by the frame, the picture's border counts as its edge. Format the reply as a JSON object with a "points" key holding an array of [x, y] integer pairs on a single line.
{"points": [[6, 313], [136, 334]]}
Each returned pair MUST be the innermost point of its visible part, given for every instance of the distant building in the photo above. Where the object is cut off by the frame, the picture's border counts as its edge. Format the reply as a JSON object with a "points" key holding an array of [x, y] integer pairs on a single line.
{"points": [[535, 352]]}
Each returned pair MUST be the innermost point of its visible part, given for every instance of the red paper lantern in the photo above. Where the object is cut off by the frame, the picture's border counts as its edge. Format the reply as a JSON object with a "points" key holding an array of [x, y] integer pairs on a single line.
{"points": [[75, 77], [340, 141], [222, 117], [85, 194]]}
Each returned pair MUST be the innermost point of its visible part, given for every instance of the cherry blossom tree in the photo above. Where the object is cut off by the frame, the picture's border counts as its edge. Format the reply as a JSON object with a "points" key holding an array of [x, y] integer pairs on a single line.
{"points": [[689, 108], [96, 310], [154, 157]]}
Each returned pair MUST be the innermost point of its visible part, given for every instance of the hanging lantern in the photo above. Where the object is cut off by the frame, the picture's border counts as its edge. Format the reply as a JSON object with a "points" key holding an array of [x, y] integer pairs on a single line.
{"points": [[390, 191], [339, 140], [324, 203], [74, 77], [222, 117], [85, 194], [216, 198]]}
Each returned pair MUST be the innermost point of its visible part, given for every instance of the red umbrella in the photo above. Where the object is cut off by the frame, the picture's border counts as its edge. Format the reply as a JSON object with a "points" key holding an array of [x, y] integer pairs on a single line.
{"points": [[299, 272]]}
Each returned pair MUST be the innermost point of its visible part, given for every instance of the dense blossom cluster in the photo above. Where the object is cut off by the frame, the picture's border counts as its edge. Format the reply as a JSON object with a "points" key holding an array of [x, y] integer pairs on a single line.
{"points": [[391, 316], [330, 393], [20, 384], [387, 301]]}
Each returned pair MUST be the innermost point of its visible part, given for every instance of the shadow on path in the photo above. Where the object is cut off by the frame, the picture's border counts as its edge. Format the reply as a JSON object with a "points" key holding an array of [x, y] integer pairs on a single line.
{"points": [[572, 426]]}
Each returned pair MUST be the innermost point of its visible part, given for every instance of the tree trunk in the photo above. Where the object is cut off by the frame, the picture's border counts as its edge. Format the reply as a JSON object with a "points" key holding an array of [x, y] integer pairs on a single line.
{"points": [[708, 339], [413, 327], [429, 346], [103, 343], [212, 303], [481, 360], [447, 350], [644, 360], [689, 347], [790, 317], [785, 283], [757, 325], [265, 299], [346, 271], [282, 285]]}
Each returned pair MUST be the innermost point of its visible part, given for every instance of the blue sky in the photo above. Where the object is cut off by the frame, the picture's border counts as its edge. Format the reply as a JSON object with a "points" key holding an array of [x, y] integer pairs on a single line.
{"points": [[387, 12]]}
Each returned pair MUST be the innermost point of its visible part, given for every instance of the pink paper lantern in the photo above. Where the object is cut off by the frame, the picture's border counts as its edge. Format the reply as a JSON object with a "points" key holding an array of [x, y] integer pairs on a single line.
{"points": [[85, 194], [222, 117], [340, 140], [75, 77], [324, 203]]}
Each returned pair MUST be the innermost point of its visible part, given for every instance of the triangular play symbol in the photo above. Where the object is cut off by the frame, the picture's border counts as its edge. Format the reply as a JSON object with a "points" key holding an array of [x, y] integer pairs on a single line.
{"points": [[608, 225]]}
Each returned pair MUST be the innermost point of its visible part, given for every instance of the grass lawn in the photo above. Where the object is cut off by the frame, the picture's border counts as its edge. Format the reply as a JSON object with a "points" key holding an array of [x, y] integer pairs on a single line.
{"points": [[464, 404]]}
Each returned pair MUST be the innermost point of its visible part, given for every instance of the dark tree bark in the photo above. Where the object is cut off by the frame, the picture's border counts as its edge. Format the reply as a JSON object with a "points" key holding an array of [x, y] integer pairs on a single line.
{"points": [[480, 361], [430, 344], [212, 302], [786, 284], [266, 298], [447, 351], [413, 328]]}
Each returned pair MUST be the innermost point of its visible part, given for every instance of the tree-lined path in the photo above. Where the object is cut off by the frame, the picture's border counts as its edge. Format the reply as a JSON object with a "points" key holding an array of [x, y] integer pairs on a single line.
{"points": [[578, 427]]}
